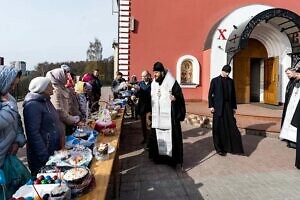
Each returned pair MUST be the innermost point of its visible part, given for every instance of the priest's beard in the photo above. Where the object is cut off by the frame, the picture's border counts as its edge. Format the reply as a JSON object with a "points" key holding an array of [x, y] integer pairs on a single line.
{"points": [[160, 79]]}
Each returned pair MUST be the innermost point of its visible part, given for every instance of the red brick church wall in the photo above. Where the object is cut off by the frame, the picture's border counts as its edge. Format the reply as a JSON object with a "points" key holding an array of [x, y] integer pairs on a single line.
{"points": [[166, 30]]}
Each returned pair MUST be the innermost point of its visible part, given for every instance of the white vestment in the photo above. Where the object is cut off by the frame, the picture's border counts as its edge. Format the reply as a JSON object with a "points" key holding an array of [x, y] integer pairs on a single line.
{"points": [[288, 131], [161, 113]]}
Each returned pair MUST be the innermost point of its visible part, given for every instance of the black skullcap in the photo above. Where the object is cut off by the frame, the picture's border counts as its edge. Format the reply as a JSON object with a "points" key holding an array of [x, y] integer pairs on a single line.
{"points": [[158, 66], [119, 73], [226, 68]]}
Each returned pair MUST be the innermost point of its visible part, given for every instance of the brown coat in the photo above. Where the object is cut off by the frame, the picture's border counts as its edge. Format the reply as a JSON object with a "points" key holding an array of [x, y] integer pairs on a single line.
{"points": [[61, 98], [61, 101]]}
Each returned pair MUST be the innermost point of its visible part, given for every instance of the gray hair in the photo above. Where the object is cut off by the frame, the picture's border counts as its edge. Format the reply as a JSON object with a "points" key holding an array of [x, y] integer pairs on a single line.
{"points": [[290, 69]]}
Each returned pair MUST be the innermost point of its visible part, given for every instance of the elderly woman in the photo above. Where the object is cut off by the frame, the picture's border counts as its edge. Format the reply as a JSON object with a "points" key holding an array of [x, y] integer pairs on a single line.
{"points": [[42, 124], [11, 130], [61, 99]]}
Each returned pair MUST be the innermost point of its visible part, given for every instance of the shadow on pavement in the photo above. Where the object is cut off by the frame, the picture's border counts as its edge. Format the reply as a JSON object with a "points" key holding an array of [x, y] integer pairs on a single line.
{"points": [[140, 178], [195, 132], [197, 152], [253, 135], [250, 143], [258, 129]]}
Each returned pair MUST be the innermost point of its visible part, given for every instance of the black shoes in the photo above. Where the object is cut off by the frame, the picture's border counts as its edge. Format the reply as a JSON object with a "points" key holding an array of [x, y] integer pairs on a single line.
{"points": [[221, 153], [143, 142], [291, 144]]}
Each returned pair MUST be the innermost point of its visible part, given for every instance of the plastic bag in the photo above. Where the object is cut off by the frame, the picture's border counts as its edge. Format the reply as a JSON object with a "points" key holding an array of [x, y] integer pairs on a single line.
{"points": [[16, 175], [104, 117], [72, 141]]}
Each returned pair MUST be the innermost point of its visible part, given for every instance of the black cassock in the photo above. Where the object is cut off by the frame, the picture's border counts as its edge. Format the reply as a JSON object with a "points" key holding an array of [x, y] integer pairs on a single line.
{"points": [[296, 122], [221, 97], [177, 115], [288, 94]]}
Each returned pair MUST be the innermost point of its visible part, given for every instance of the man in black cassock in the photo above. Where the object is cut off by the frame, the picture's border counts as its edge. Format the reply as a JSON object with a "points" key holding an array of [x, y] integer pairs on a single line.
{"points": [[222, 103], [168, 109], [296, 120], [290, 72]]}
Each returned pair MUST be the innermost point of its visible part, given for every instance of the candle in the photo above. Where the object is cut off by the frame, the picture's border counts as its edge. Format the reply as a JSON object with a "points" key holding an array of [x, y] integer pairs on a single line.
{"points": [[56, 170], [75, 163], [60, 177], [87, 109], [36, 192]]}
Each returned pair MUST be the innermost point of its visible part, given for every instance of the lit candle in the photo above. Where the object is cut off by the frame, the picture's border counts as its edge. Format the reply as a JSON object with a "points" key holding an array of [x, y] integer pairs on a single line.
{"points": [[36, 192]]}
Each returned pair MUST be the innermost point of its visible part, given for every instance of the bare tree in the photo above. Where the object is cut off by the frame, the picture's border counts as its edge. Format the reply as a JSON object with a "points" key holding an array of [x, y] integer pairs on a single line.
{"points": [[94, 52]]}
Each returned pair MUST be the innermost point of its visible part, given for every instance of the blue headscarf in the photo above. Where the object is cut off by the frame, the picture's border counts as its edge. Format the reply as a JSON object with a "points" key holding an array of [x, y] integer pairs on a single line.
{"points": [[7, 77]]}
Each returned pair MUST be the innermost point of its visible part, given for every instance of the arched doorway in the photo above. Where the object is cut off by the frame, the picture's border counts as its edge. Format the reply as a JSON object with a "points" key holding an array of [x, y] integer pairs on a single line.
{"points": [[248, 72], [276, 32]]}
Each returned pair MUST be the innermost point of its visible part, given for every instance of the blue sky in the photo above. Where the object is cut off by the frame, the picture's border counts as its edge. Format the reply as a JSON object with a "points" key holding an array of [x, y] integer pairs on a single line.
{"points": [[54, 30]]}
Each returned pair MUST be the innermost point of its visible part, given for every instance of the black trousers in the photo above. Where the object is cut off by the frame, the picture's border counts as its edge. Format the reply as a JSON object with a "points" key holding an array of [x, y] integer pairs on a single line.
{"points": [[297, 162], [144, 126]]}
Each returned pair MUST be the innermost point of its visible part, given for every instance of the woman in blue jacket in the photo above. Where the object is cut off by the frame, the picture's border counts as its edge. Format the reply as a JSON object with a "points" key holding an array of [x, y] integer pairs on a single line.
{"points": [[42, 124], [11, 130]]}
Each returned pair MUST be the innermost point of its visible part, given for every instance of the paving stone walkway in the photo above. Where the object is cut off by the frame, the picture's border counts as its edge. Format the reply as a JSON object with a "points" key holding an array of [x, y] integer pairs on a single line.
{"points": [[266, 171]]}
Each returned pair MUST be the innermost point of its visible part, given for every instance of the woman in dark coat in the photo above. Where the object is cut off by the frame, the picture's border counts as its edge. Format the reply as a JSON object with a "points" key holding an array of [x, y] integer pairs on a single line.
{"points": [[222, 102], [42, 124]]}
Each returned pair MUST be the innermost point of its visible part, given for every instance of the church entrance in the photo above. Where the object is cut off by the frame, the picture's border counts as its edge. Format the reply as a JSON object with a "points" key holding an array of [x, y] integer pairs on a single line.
{"points": [[260, 49], [255, 75]]}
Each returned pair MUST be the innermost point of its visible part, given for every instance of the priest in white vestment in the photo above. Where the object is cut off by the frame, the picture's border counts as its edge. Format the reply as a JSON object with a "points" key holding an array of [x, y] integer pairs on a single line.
{"points": [[168, 109]]}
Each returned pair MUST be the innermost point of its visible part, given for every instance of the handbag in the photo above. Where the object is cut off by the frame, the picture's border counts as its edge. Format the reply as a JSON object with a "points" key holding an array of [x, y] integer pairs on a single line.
{"points": [[2, 183], [15, 174]]}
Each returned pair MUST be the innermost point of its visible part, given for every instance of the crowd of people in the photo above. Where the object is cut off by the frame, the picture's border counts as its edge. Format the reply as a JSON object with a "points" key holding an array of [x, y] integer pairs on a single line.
{"points": [[54, 106], [59, 102]]}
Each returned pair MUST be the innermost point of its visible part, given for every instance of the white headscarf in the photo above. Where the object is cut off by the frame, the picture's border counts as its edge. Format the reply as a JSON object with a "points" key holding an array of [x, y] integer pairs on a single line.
{"points": [[65, 67], [39, 84], [57, 77]]}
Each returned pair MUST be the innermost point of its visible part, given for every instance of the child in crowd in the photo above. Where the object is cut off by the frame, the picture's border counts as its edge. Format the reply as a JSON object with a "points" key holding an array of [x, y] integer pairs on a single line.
{"points": [[83, 89]]}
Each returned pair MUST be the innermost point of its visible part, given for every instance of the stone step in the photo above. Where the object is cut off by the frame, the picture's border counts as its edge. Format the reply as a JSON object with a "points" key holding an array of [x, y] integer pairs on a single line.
{"points": [[252, 125]]}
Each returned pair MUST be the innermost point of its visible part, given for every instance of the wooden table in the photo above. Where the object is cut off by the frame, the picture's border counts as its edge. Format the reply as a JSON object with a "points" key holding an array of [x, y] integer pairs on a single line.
{"points": [[103, 170]]}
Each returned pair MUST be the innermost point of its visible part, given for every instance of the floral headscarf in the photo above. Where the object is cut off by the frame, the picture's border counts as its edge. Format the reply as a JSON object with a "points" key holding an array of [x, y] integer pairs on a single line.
{"points": [[7, 77]]}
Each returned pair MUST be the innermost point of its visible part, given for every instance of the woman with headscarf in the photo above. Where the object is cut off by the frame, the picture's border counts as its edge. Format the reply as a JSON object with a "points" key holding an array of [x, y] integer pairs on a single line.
{"points": [[61, 99], [11, 130], [74, 99], [42, 124]]}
